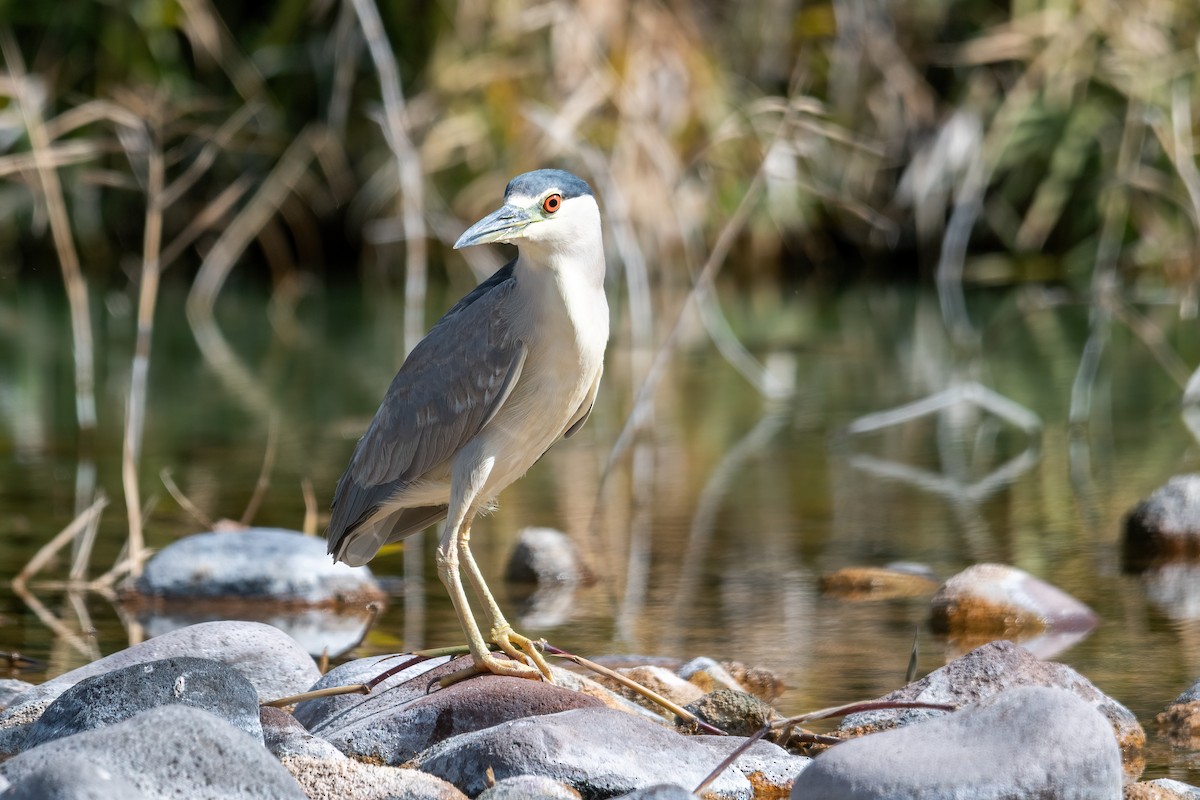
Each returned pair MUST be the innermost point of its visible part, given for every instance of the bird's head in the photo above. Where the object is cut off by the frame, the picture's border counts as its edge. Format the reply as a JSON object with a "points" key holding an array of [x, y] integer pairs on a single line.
{"points": [[548, 208]]}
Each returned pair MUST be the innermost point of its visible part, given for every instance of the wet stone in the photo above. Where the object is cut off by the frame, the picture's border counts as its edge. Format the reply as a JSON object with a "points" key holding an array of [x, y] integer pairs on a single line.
{"points": [[255, 564], [1164, 526], [1179, 722], [529, 787], [994, 599], [1162, 789], [877, 583]]}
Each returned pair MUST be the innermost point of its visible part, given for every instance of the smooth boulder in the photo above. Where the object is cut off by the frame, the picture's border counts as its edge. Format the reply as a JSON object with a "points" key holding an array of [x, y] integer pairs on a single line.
{"points": [[173, 751], [1031, 741], [1166, 525], [123, 693], [598, 751]]}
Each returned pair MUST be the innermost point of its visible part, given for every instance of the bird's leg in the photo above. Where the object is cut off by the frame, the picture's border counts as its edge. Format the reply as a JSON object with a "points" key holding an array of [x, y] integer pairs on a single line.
{"points": [[448, 571], [501, 632], [452, 553]]}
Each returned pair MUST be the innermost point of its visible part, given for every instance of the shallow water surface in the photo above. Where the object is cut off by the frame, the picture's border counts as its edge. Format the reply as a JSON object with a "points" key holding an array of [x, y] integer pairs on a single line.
{"points": [[710, 535]]}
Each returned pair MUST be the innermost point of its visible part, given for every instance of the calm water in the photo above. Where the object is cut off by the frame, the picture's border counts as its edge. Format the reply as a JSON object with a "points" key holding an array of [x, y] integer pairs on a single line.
{"points": [[710, 537]]}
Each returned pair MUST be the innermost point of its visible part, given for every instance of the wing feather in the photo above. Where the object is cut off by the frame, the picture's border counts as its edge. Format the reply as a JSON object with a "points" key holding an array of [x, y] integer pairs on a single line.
{"points": [[448, 389]]}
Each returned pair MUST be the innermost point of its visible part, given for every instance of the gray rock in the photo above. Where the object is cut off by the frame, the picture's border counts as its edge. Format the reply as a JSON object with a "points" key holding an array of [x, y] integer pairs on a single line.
{"points": [[1162, 789], [544, 555], [346, 779], [598, 751], [169, 752], [529, 787], [322, 712], [659, 791], [285, 736], [736, 713], [1030, 741], [997, 599], [118, 695], [73, 778], [269, 659], [989, 670], [255, 564], [11, 689], [393, 724], [1165, 525]]}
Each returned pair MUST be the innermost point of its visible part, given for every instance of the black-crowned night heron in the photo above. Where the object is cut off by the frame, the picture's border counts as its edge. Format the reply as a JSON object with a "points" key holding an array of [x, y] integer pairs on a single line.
{"points": [[508, 371]]}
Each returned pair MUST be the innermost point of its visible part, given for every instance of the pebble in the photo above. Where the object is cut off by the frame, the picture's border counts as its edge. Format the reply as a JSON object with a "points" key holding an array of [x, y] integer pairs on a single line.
{"points": [[770, 769], [1166, 525], [1029, 741], [736, 713], [877, 583], [1179, 722], [657, 679], [995, 599], [598, 751], [167, 752], [544, 555]]}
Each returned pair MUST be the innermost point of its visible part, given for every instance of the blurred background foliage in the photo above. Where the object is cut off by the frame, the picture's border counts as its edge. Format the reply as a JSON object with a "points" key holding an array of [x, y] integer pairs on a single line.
{"points": [[1055, 127]]}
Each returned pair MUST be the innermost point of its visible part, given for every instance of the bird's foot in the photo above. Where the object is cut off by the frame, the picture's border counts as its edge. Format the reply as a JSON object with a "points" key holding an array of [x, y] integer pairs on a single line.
{"points": [[528, 658]]}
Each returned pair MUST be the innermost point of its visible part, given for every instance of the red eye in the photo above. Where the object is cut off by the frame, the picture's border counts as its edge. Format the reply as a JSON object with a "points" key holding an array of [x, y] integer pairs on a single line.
{"points": [[552, 203]]}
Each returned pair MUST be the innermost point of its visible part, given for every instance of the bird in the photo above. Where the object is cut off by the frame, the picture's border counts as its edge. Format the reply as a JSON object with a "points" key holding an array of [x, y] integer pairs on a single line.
{"points": [[507, 372]]}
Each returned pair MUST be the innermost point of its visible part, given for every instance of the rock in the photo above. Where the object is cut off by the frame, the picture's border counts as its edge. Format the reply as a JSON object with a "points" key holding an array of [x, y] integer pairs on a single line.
{"points": [[273, 663], [1165, 525], [345, 779], [172, 751], [770, 769], [544, 555], [118, 695], [657, 679], [659, 791], [318, 631], [736, 713], [1162, 789], [877, 583], [1180, 721], [11, 689], [260, 564], [708, 675], [1030, 741], [758, 681], [994, 599], [598, 751], [1175, 588], [284, 736], [990, 670], [323, 711], [529, 787], [393, 725], [73, 778]]}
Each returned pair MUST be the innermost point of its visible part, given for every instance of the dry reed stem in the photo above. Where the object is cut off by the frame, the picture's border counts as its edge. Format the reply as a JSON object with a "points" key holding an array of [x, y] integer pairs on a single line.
{"points": [[264, 474], [66, 535], [310, 508], [408, 162], [184, 501], [64, 242]]}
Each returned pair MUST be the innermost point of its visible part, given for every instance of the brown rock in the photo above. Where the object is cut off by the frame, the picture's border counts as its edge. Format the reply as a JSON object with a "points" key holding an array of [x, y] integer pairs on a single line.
{"points": [[876, 583], [996, 599], [1166, 525]]}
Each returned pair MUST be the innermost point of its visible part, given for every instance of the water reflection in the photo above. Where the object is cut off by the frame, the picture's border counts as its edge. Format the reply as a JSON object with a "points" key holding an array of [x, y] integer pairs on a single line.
{"points": [[710, 537]]}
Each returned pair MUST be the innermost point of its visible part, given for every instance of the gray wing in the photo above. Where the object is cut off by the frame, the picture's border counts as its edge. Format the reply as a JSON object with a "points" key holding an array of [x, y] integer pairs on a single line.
{"points": [[448, 389]]}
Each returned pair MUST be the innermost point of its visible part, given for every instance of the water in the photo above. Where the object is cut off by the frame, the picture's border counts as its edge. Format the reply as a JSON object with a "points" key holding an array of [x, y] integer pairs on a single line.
{"points": [[711, 536]]}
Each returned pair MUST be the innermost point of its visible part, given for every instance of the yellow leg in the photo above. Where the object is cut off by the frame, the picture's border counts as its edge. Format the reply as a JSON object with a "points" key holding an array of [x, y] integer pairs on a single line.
{"points": [[500, 631]]}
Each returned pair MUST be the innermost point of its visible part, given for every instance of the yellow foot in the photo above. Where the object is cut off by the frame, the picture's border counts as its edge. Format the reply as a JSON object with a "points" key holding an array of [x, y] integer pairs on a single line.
{"points": [[497, 666], [509, 640]]}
